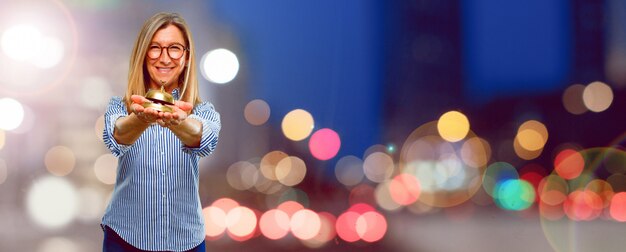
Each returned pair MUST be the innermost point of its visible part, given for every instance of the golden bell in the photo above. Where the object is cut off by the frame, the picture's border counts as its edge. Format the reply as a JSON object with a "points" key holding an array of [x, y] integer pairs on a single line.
{"points": [[159, 99]]}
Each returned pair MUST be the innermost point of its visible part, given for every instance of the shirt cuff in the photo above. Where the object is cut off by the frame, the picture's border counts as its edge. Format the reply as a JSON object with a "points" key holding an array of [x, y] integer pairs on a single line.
{"points": [[116, 148], [208, 142]]}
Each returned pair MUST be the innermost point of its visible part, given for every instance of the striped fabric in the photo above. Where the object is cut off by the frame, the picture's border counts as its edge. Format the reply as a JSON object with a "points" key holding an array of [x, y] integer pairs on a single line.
{"points": [[155, 204]]}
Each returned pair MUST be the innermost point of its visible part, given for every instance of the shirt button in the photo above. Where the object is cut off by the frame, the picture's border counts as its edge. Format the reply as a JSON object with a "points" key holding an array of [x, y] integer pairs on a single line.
{"points": [[162, 152], [163, 173], [163, 195]]}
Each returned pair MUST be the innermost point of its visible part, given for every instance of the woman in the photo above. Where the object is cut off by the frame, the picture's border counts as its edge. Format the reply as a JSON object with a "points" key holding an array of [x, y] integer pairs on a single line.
{"points": [[155, 205]]}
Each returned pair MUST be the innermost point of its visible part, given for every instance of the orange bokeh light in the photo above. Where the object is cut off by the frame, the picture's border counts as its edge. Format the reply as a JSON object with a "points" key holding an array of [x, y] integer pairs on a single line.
{"points": [[618, 207], [274, 224], [404, 189], [569, 164]]}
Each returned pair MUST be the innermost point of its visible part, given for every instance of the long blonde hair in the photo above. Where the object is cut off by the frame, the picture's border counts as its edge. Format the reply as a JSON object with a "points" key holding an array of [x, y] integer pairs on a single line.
{"points": [[138, 77]]}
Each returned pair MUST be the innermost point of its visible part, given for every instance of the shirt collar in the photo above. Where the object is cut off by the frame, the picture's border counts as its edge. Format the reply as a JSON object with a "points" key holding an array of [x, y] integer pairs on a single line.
{"points": [[176, 93]]}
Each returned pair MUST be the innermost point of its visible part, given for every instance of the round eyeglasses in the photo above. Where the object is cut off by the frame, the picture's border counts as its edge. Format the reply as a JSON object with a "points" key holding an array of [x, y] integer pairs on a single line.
{"points": [[174, 51]]}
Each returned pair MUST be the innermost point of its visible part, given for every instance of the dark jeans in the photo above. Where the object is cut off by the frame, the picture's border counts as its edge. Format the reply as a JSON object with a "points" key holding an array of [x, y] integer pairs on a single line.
{"points": [[114, 243]]}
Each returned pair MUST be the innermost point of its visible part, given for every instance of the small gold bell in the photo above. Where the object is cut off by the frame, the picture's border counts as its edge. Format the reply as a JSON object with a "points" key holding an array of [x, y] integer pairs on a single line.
{"points": [[159, 99]]}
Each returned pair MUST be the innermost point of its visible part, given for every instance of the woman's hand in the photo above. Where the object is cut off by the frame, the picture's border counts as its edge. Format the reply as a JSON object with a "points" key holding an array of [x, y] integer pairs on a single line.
{"points": [[180, 111], [147, 115]]}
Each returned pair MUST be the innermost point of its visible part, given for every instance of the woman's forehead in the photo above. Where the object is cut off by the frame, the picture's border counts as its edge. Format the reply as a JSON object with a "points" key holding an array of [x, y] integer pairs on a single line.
{"points": [[169, 34]]}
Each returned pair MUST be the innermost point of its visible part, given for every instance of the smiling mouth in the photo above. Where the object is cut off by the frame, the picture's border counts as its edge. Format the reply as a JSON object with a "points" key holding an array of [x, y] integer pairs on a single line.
{"points": [[164, 69]]}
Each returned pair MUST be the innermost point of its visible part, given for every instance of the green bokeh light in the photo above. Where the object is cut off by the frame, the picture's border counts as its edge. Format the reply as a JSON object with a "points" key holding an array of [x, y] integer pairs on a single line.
{"points": [[514, 194]]}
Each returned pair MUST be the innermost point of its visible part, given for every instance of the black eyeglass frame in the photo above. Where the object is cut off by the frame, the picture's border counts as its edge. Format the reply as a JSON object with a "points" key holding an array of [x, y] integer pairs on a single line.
{"points": [[184, 49]]}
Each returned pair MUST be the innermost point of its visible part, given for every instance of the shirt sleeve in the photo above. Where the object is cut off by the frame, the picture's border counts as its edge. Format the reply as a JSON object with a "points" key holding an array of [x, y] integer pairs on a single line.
{"points": [[115, 110], [205, 113]]}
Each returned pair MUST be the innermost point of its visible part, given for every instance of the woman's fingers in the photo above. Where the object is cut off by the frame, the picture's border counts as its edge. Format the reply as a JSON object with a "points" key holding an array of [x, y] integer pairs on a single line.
{"points": [[136, 108], [138, 99], [184, 106]]}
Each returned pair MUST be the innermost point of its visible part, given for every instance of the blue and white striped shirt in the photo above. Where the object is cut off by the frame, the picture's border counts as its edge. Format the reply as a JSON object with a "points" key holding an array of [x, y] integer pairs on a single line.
{"points": [[155, 204]]}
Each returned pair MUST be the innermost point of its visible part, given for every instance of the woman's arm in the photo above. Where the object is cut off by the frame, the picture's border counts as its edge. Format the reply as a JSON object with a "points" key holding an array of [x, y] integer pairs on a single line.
{"points": [[129, 128]]}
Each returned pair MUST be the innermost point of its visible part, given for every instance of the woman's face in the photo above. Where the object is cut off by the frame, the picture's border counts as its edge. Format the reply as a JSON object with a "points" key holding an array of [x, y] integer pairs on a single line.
{"points": [[163, 66]]}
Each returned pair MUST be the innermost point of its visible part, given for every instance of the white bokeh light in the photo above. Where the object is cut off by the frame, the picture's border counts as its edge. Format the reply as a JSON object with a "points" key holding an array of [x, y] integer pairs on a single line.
{"points": [[219, 66], [50, 53], [105, 168], [28, 122], [52, 202], [21, 42], [3, 171], [92, 204], [12, 114], [95, 92], [56, 244]]}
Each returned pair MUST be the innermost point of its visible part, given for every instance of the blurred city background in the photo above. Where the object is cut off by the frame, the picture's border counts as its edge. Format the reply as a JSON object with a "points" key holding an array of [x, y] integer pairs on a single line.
{"points": [[415, 125]]}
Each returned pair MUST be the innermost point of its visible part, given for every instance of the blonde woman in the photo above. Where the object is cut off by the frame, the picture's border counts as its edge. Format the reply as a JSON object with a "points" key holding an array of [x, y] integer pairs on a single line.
{"points": [[155, 205]]}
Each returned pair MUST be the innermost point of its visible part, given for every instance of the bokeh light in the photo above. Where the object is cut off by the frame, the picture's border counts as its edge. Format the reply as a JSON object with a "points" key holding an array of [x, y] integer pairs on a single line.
{"points": [[105, 168], [573, 99], [618, 207], [349, 170], [28, 122], [293, 194], [12, 114], [476, 152], [60, 160], [56, 244], [290, 171], [617, 182], [326, 233], [404, 189], [219, 66], [305, 224], [324, 144], [362, 193], [21, 42], [378, 167], [553, 190], [297, 124], [290, 207], [4, 171], [25, 42], [346, 226], [361, 221], [52, 202], [371, 226], [603, 189], [242, 175], [269, 163], [514, 194], [445, 179], [274, 224], [3, 136], [214, 221], [569, 164], [614, 160], [50, 53], [383, 197], [99, 127], [523, 153], [95, 93], [92, 204], [498, 173], [241, 221], [257, 112], [597, 96], [532, 135], [582, 205], [453, 126]]}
